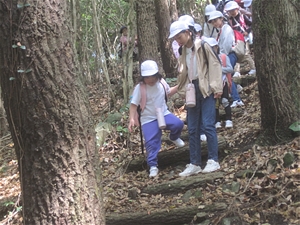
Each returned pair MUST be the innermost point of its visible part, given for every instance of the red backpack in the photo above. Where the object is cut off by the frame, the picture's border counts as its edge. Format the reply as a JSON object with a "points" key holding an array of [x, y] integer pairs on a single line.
{"points": [[239, 45]]}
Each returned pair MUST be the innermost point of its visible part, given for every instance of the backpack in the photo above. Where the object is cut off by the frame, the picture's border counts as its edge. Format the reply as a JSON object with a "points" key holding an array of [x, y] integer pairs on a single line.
{"points": [[239, 45], [228, 75], [142, 105]]}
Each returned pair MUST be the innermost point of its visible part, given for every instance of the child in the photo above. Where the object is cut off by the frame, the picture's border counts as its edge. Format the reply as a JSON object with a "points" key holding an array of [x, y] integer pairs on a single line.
{"points": [[226, 76], [241, 23], [155, 100], [225, 41], [204, 74], [209, 30]]}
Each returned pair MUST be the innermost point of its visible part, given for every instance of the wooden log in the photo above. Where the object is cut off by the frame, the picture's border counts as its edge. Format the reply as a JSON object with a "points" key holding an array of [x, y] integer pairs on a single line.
{"points": [[181, 184], [174, 156], [175, 216]]}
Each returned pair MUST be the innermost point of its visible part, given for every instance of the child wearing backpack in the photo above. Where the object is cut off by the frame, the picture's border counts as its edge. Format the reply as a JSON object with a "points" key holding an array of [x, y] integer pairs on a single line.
{"points": [[226, 76], [154, 110], [200, 78], [241, 23], [226, 41]]}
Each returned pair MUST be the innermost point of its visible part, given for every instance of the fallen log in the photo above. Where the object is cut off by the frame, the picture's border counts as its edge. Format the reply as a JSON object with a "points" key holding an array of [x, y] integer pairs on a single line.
{"points": [[177, 216], [181, 184], [174, 156]]}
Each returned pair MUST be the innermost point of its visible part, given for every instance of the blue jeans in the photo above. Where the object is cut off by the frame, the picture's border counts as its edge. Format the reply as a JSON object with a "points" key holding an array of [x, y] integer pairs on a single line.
{"points": [[207, 108], [234, 93], [152, 135]]}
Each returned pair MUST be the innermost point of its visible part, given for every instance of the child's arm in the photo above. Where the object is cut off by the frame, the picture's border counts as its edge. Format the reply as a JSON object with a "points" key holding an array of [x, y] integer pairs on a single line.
{"points": [[173, 90], [132, 114]]}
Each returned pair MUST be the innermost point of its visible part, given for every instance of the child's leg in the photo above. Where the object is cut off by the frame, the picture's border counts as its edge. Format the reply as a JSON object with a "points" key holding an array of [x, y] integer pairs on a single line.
{"points": [[217, 110], [152, 136], [225, 101], [175, 125]]}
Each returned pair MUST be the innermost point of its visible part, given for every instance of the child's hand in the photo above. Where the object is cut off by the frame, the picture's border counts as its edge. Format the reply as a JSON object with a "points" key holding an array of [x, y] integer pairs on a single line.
{"points": [[218, 95], [131, 125]]}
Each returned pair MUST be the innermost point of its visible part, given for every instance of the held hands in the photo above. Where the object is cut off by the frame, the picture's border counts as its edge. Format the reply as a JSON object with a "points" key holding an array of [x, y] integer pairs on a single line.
{"points": [[218, 95]]}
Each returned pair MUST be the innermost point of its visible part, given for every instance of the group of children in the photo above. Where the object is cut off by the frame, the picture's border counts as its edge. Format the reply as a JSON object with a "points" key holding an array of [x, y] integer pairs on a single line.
{"points": [[206, 65]]}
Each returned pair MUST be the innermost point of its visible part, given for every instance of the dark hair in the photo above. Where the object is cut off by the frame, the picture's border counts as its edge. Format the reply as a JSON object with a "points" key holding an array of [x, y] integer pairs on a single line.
{"points": [[122, 28], [158, 75]]}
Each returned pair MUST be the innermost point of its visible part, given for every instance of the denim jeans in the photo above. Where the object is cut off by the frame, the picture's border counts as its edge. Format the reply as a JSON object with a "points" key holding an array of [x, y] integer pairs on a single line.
{"points": [[234, 93], [206, 108]]}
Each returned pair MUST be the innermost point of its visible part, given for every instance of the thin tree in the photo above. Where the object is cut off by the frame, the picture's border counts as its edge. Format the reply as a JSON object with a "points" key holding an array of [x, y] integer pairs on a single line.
{"points": [[49, 115], [277, 59]]}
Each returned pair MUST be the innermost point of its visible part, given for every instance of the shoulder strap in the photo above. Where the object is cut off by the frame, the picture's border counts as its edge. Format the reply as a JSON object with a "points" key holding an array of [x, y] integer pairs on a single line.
{"points": [[164, 84], [204, 52]]}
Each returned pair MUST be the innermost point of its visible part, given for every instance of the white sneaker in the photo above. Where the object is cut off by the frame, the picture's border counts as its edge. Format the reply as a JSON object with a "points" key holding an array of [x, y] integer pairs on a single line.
{"points": [[228, 124], [239, 88], [153, 171], [203, 137], [237, 103], [178, 142], [252, 72], [211, 166], [218, 125], [190, 170], [236, 74]]}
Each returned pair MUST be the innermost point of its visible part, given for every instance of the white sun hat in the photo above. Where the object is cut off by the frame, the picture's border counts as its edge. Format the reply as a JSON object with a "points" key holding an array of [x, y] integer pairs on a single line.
{"points": [[214, 15], [149, 68], [188, 19], [176, 27], [198, 27], [231, 5], [209, 9], [247, 3], [211, 41]]}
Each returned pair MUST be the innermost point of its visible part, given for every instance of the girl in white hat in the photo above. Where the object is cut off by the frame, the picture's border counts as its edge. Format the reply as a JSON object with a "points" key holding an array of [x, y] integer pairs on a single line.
{"points": [[199, 70], [150, 95]]}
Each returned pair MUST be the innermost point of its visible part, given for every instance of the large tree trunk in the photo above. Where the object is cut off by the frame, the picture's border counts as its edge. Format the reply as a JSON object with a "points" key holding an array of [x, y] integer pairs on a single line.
{"points": [[277, 59], [49, 115], [147, 31], [164, 20]]}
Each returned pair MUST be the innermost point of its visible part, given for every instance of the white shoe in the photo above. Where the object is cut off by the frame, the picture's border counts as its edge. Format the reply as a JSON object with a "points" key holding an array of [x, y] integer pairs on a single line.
{"points": [[218, 125], [239, 88], [190, 170], [236, 74], [252, 72], [228, 124], [153, 171], [203, 137], [211, 166], [178, 142], [237, 103]]}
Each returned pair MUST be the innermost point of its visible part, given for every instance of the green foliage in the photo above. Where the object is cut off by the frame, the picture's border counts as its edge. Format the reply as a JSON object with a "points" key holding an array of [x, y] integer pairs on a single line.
{"points": [[295, 126], [21, 5]]}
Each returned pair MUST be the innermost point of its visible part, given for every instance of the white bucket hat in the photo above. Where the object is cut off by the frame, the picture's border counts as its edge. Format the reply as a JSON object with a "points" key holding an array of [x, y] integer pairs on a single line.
{"points": [[149, 68], [211, 41], [231, 5], [197, 27], [187, 19], [214, 15], [176, 27], [247, 3], [209, 9]]}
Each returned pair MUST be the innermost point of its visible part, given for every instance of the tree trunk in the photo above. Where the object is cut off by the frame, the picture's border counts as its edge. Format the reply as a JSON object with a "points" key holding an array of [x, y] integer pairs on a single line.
{"points": [[164, 21], [277, 59], [173, 10], [49, 115], [147, 31]]}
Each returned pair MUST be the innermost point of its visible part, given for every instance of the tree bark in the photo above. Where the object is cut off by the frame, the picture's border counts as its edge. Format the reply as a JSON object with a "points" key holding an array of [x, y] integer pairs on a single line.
{"points": [[173, 156], [277, 59], [49, 115], [164, 21], [183, 215], [147, 31]]}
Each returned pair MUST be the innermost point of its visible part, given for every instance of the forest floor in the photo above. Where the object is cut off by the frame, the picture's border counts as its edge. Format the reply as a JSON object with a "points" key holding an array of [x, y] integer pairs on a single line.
{"points": [[266, 193]]}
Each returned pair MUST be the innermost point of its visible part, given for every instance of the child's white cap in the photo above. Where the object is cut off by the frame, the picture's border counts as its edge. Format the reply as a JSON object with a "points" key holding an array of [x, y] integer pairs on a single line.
{"points": [[198, 27], [209, 9], [231, 5], [149, 68], [211, 41], [247, 3], [187, 19], [177, 27], [215, 15]]}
